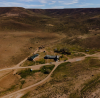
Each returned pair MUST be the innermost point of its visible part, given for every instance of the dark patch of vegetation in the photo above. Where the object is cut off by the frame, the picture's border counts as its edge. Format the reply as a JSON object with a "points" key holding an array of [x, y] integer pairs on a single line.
{"points": [[22, 82], [27, 72], [12, 88], [8, 90], [47, 69], [63, 51], [25, 95], [30, 63]]}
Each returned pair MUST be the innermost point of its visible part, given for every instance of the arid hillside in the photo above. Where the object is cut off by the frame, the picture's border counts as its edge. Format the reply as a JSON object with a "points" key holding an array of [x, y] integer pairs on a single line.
{"points": [[70, 35], [14, 11], [21, 28], [50, 20], [63, 12]]}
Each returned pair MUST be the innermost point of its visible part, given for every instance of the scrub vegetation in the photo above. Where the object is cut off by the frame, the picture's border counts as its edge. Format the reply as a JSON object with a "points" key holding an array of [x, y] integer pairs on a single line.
{"points": [[22, 31], [28, 72], [64, 79]]}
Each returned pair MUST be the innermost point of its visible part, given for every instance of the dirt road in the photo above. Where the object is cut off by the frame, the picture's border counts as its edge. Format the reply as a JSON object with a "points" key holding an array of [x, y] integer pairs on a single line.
{"points": [[15, 94], [19, 93], [36, 67]]}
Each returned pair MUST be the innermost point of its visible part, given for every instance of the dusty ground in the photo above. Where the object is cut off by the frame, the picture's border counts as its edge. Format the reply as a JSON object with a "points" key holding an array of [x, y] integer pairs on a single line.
{"points": [[11, 78], [69, 86], [82, 77], [33, 79], [8, 82], [57, 89], [12, 45], [3, 73], [15, 46]]}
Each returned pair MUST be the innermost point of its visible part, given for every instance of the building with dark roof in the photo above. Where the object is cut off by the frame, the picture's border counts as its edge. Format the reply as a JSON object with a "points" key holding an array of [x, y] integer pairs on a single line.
{"points": [[51, 57], [32, 57]]}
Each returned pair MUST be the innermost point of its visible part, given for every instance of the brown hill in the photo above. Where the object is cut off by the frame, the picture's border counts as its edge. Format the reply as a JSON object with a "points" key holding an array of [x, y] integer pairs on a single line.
{"points": [[69, 21], [83, 11], [14, 11]]}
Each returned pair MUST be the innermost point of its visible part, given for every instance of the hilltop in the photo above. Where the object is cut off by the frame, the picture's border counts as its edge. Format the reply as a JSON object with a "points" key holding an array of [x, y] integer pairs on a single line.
{"points": [[37, 24], [68, 21], [14, 11], [63, 12]]}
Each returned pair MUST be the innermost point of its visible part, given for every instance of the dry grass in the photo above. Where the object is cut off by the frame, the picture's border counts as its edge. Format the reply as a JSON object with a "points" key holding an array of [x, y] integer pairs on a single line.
{"points": [[18, 34], [15, 46], [73, 80]]}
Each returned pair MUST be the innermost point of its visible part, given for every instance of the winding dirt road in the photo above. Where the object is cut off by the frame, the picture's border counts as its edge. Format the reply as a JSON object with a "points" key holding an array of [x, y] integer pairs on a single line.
{"points": [[20, 93]]}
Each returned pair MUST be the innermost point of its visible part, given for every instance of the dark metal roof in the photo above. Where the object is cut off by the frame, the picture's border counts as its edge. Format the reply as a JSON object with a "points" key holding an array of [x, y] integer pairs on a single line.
{"points": [[51, 57], [32, 57]]}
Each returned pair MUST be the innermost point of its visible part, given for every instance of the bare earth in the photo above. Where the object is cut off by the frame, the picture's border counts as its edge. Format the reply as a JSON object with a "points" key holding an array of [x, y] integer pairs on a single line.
{"points": [[16, 94], [15, 46]]}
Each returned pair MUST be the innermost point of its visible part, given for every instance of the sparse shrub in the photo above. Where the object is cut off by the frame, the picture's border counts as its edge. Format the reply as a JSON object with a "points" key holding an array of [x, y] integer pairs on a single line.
{"points": [[41, 61], [22, 82], [25, 95], [47, 69], [27, 72], [90, 86], [28, 63], [75, 94], [60, 67], [79, 55], [12, 88]]}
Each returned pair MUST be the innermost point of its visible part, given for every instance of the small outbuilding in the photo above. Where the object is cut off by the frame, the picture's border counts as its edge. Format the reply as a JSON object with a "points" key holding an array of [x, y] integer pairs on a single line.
{"points": [[86, 50], [31, 70]]}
